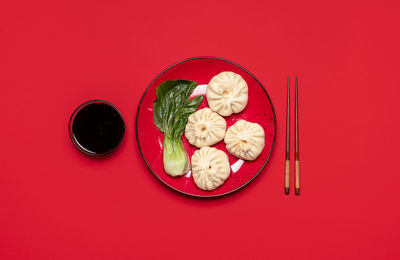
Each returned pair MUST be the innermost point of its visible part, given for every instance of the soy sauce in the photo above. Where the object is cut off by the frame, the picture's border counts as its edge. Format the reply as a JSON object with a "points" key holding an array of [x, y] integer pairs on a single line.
{"points": [[97, 128]]}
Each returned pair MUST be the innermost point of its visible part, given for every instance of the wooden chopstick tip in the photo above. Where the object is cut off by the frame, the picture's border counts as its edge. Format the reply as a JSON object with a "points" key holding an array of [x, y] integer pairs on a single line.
{"points": [[297, 191], [287, 191]]}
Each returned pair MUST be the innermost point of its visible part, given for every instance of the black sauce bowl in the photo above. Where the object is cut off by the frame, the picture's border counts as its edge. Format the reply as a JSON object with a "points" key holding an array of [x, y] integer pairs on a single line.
{"points": [[96, 127]]}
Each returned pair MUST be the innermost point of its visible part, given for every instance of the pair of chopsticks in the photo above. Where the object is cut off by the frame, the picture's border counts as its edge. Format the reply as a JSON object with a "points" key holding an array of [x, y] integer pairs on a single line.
{"points": [[287, 161]]}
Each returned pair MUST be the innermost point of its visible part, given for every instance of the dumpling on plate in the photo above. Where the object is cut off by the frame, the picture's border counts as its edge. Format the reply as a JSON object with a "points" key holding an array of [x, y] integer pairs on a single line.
{"points": [[205, 128], [245, 140], [210, 168], [227, 93]]}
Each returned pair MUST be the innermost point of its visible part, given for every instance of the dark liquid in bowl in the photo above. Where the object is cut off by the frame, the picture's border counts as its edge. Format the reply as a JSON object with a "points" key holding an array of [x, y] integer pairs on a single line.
{"points": [[98, 128]]}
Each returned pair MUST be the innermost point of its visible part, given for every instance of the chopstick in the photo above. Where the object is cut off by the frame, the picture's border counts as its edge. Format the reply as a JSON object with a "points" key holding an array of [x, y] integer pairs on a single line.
{"points": [[287, 162], [297, 162]]}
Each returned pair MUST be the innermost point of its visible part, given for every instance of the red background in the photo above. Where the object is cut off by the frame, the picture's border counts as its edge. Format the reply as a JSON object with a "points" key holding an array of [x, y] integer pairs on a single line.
{"points": [[56, 203]]}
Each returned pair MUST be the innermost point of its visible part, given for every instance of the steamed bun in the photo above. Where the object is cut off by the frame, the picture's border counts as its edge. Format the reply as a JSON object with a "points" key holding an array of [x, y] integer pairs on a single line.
{"points": [[205, 128], [227, 93], [210, 168], [245, 140]]}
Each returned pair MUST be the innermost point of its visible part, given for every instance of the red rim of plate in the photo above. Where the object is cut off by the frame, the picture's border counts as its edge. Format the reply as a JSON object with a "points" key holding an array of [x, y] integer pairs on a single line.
{"points": [[137, 135]]}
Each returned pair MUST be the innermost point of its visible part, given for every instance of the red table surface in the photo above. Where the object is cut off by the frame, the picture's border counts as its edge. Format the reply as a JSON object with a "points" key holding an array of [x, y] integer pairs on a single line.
{"points": [[56, 203]]}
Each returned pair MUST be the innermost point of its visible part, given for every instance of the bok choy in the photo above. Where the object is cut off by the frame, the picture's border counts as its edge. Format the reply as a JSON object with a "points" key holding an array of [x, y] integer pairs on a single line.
{"points": [[171, 109]]}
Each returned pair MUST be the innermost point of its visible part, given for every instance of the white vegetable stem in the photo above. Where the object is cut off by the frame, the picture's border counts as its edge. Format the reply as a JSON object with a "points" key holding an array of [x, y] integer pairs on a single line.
{"points": [[175, 158]]}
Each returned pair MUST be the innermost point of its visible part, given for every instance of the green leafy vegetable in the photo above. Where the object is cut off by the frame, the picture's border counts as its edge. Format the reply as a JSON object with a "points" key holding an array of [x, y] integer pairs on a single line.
{"points": [[171, 109]]}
